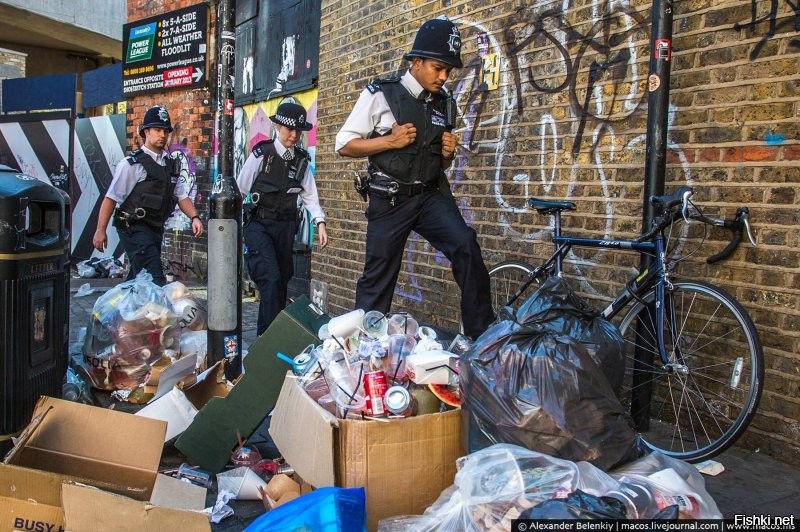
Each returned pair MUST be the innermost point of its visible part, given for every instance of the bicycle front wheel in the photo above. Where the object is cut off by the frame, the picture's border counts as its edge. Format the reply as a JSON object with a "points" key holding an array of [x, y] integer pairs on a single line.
{"points": [[701, 400], [506, 278]]}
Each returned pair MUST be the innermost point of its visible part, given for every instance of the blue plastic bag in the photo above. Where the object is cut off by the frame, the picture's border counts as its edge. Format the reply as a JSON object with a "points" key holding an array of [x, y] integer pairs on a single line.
{"points": [[322, 510]]}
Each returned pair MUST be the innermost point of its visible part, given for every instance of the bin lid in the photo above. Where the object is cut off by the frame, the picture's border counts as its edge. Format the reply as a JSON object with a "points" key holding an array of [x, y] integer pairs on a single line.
{"points": [[14, 184]]}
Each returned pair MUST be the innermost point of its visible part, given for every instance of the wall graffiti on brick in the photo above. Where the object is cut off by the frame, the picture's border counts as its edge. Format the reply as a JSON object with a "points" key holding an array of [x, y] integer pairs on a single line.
{"points": [[177, 220], [769, 21], [603, 82], [179, 260]]}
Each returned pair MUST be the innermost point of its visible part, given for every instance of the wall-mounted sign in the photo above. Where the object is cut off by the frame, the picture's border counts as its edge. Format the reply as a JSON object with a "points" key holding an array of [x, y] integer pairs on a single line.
{"points": [[166, 52]]}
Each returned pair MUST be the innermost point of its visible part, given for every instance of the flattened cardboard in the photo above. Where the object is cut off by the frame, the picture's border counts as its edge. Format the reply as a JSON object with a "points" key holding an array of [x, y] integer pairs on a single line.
{"points": [[179, 407], [209, 440], [30, 499], [87, 508], [112, 450], [404, 464]]}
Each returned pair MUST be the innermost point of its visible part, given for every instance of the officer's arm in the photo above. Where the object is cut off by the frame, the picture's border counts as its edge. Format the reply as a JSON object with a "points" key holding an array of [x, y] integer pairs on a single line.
{"points": [[100, 238], [400, 137], [188, 208]]}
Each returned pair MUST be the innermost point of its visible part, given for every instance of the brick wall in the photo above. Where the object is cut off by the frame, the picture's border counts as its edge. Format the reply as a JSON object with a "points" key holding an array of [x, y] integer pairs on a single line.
{"points": [[192, 140], [541, 132]]}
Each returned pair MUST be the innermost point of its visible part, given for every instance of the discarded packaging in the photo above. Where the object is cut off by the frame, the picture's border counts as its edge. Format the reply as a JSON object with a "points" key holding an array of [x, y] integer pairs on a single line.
{"points": [[243, 482]]}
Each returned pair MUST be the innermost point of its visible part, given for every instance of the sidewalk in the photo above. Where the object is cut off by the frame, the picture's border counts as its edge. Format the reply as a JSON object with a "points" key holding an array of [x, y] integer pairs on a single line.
{"points": [[752, 483]]}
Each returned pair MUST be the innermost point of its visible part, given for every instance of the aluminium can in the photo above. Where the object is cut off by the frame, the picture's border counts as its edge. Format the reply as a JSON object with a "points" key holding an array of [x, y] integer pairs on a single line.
{"points": [[375, 386]]}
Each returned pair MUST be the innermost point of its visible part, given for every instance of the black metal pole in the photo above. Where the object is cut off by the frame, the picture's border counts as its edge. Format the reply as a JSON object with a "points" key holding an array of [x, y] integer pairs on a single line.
{"points": [[657, 105], [224, 224], [657, 116]]}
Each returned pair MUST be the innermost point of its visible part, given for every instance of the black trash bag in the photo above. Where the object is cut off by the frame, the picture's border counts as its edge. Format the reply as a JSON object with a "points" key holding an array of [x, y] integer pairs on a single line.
{"points": [[557, 308], [577, 505], [580, 505], [525, 385]]}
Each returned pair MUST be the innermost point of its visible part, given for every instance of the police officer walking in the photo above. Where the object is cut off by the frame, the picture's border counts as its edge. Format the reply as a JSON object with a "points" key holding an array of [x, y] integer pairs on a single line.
{"points": [[403, 124], [275, 174], [142, 195]]}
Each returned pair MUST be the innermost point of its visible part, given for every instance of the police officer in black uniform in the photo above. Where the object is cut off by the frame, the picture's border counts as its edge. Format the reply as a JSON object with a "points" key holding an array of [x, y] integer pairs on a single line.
{"points": [[142, 195], [402, 125], [275, 174]]}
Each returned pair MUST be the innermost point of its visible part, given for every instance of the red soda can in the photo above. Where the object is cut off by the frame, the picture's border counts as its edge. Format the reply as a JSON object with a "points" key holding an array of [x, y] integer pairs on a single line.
{"points": [[375, 386]]}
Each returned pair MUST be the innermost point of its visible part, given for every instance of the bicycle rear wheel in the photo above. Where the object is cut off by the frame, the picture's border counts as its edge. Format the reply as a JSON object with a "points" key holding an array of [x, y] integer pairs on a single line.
{"points": [[702, 400], [505, 279]]}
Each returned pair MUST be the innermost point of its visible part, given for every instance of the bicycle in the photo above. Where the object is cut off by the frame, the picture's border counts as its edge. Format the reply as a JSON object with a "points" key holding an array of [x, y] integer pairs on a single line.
{"points": [[694, 365]]}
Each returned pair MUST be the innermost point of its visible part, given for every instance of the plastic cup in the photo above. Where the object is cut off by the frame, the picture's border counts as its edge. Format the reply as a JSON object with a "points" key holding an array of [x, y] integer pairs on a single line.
{"points": [[375, 324], [402, 324]]}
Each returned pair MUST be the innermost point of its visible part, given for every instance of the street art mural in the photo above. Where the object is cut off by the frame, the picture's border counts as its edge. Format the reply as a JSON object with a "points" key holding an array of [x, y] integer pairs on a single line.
{"points": [[251, 125], [41, 149]]}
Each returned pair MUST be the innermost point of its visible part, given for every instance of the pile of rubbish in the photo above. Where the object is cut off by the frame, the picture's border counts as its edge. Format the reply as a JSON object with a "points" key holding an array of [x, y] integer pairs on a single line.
{"points": [[503, 482], [97, 267], [137, 325], [370, 365]]}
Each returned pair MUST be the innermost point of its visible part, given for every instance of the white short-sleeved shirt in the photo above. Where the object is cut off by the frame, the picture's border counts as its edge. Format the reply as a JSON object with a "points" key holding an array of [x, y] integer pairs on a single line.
{"points": [[309, 194], [371, 113], [126, 175]]}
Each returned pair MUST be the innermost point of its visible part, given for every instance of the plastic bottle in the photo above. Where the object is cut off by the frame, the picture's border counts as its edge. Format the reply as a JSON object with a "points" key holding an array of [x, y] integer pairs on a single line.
{"points": [[75, 388]]}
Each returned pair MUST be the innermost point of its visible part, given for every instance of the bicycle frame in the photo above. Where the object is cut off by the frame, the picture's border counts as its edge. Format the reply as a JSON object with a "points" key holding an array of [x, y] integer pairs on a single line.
{"points": [[655, 275]]}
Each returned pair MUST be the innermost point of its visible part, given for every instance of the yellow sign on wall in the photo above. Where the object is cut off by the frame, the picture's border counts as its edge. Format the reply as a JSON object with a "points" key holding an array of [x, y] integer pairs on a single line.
{"points": [[490, 73]]}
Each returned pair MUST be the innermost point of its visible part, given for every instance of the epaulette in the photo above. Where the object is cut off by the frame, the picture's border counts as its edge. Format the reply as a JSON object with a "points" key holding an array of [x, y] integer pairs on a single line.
{"points": [[302, 153], [134, 154], [258, 149], [375, 85]]}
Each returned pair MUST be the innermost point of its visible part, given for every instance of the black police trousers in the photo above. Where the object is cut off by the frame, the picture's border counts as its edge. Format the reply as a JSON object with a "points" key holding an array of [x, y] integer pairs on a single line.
{"points": [[270, 261], [437, 219], [142, 244]]}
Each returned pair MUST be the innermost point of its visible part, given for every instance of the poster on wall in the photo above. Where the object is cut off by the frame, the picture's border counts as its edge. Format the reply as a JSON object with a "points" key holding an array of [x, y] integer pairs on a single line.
{"points": [[168, 51]]}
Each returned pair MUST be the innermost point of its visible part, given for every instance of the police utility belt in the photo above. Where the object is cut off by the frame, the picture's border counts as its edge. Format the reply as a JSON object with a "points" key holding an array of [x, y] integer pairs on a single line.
{"points": [[385, 186], [123, 219]]}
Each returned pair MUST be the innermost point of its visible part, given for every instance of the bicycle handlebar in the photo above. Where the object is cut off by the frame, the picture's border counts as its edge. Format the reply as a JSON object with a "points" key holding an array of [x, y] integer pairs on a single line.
{"points": [[681, 197], [736, 225]]}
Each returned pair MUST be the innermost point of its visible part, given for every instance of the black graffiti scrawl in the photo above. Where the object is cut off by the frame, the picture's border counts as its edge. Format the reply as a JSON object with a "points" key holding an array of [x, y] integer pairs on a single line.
{"points": [[773, 26]]}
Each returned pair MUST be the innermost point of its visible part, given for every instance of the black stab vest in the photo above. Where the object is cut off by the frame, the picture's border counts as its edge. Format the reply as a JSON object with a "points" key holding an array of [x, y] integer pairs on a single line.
{"points": [[156, 194], [422, 159], [278, 183]]}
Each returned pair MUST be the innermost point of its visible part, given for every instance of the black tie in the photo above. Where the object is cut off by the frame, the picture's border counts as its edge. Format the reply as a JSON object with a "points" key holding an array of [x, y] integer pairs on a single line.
{"points": [[287, 156]]}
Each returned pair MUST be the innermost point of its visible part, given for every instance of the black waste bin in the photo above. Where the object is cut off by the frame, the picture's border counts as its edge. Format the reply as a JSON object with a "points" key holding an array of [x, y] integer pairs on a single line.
{"points": [[34, 296]]}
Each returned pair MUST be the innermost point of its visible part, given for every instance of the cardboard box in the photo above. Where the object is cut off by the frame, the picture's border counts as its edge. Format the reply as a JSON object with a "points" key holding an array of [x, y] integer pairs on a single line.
{"points": [[404, 464], [112, 450], [30, 499], [211, 437], [68, 443]]}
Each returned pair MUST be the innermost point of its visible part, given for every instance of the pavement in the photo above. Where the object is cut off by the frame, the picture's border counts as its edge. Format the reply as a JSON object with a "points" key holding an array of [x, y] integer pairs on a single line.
{"points": [[752, 482]]}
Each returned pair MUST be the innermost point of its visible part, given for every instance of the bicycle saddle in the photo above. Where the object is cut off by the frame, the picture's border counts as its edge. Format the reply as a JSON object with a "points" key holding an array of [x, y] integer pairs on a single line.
{"points": [[548, 207]]}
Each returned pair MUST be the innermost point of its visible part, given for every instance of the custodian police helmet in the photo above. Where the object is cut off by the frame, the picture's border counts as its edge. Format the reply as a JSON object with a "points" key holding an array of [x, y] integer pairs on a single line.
{"points": [[156, 116], [291, 115], [438, 39]]}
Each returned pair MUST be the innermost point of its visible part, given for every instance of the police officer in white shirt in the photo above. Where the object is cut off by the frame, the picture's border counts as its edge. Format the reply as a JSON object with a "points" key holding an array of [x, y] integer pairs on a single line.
{"points": [[403, 126], [275, 174], [143, 193]]}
